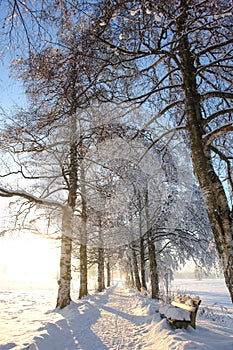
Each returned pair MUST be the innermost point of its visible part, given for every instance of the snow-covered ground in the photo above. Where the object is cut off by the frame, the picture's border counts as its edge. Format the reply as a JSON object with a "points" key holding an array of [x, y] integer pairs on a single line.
{"points": [[118, 318]]}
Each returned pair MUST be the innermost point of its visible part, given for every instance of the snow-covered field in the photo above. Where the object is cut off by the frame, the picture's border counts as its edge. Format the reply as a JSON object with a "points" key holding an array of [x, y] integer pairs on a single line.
{"points": [[118, 318]]}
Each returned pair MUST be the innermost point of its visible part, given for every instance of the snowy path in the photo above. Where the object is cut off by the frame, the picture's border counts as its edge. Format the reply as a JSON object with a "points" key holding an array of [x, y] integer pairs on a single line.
{"points": [[113, 320], [121, 325]]}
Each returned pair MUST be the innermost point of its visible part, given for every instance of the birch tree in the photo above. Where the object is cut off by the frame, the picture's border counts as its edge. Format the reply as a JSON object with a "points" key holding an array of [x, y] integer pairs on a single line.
{"points": [[39, 185], [57, 83]]}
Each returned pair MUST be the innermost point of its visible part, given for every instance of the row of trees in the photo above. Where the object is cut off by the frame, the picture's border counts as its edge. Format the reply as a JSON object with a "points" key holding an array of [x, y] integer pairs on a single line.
{"points": [[172, 65], [139, 212]]}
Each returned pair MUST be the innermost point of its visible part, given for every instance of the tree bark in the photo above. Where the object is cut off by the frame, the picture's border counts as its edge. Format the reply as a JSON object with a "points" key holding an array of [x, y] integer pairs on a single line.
{"points": [[101, 283], [142, 256], [63, 298], [135, 269], [131, 276], [152, 255], [220, 215], [83, 237], [108, 273], [153, 266], [83, 270]]}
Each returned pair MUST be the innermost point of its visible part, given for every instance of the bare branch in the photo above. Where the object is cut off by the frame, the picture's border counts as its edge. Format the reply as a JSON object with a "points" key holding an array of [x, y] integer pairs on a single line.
{"points": [[210, 137], [224, 158], [216, 115], [216, 93], [219, 45]]}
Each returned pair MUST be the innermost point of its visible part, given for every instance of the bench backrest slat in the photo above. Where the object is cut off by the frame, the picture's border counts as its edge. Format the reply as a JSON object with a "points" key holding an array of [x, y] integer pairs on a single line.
{"points": [[184, 306]]}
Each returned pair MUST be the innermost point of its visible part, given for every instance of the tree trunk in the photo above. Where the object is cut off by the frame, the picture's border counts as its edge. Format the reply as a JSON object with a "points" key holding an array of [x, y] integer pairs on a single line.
{"points": [[83, 270], [63, 298], [217, 207], [135, 269], [101, 284], [152, 256], [153, 266], [142, 257], [83, 238], [108, 274], [131, 276]]}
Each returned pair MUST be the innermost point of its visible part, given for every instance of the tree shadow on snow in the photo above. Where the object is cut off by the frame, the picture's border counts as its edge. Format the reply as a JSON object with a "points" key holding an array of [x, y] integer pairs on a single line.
{"points": [[7, 346], [138, 320], [74, 331]]}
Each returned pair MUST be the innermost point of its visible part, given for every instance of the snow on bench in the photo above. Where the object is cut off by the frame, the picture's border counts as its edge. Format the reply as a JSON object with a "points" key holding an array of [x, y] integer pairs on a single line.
{"points": [[181, 312]]}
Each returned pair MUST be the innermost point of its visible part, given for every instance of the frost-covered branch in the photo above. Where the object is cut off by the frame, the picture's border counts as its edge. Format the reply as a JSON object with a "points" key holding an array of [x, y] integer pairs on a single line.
{"points": [[4, 192]]}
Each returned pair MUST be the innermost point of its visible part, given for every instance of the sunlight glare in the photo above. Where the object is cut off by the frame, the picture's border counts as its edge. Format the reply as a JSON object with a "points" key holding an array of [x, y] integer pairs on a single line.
{"points": [[30, 258]]}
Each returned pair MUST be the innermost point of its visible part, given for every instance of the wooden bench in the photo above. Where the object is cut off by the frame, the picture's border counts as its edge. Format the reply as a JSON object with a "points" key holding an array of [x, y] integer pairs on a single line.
{"points": [[181, 312]]}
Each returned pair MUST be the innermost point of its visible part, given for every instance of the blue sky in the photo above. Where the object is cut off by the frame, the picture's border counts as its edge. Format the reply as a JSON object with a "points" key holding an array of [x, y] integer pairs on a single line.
{"points": [[11, 90]]}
